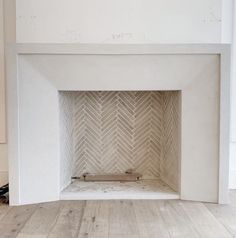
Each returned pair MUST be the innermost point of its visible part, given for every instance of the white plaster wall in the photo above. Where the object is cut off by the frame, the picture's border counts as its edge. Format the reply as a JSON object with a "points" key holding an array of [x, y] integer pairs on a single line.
{"points": [[3, 164], [123, 21], [2, 81], [232, 174], [228, 34], [3, 146], [232, 179]]}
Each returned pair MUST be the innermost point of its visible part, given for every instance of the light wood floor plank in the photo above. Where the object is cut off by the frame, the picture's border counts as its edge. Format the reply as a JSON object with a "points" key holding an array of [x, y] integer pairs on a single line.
{"points": [[15, 219], [149, 220], [225, 214], [177, 222], [122, 220], [41, 222], [204, 221], [69, 220], [95, 220], [4, 209]]}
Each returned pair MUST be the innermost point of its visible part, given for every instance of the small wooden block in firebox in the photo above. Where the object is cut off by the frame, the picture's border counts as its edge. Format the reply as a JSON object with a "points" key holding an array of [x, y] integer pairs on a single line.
{"points": [[129, 175]]}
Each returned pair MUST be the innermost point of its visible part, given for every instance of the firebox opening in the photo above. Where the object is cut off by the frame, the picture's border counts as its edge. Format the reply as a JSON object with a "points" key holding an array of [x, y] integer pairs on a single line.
{"points": [[107, 133]]}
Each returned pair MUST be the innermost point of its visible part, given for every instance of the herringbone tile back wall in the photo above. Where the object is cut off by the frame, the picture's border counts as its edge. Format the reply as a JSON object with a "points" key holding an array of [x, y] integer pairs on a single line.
{"points": [[110, 132]]}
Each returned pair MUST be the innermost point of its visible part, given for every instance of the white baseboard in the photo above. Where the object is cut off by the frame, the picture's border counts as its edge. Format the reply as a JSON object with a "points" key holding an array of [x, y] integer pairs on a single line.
{"points": [[3, 178]]}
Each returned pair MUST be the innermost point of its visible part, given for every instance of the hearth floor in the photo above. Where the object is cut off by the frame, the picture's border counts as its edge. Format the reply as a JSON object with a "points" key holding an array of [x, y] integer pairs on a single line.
{"points": [[143, 189]]}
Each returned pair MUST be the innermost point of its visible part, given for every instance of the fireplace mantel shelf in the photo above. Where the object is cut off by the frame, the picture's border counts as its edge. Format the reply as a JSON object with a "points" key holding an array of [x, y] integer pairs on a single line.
{"points": [[59, 48]]}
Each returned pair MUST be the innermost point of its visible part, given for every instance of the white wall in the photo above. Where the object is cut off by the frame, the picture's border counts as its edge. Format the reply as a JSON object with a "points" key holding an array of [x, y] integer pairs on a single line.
{"points": [[3, 164], [3, 146], [7, 36], [228, 34], [232, 179], [112, 21], [126, 21], [2, 81]]}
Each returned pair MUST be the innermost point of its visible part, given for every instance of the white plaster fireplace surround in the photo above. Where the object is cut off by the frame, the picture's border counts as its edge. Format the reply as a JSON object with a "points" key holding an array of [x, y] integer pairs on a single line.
{"points": [[39, 72]]}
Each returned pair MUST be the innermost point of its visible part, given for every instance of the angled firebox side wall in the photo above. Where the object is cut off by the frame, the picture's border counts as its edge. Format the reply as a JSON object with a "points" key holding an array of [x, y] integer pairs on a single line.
{"points": [[171, 143], [66, 120], [110, 132]]}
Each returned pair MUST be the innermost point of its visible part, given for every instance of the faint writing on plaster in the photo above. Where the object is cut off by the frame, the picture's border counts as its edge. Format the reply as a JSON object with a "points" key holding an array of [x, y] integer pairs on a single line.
{"points": [[212, 18], [26, 19], [71, 35], [125, 37], [122, 36]]}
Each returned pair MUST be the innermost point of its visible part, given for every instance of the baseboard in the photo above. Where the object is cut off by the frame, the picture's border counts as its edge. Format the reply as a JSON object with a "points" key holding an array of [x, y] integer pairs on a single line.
{"points": [[3, 178]]}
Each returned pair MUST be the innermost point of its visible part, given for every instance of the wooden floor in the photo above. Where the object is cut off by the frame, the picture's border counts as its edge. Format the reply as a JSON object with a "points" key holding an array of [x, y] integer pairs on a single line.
{"points": [[119, 219]]}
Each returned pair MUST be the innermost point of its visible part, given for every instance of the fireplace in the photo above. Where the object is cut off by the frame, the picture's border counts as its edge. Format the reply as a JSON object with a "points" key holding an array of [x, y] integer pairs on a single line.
{"points": [[160, 110], [110, 132]]}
